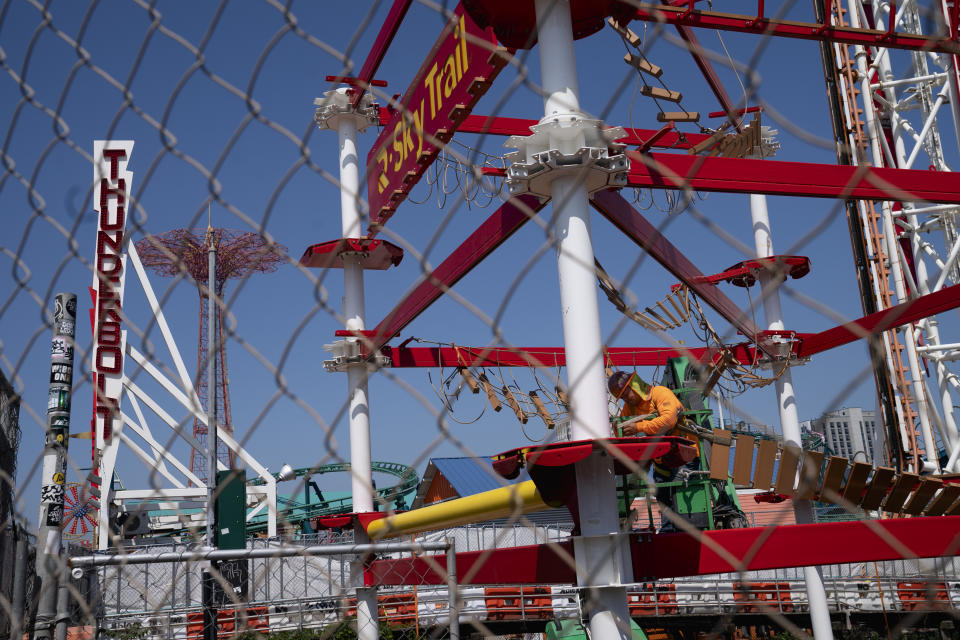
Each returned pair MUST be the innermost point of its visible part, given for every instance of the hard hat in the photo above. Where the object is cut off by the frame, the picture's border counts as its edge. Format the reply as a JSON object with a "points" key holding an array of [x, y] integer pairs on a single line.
{"points": [[618, 383]]}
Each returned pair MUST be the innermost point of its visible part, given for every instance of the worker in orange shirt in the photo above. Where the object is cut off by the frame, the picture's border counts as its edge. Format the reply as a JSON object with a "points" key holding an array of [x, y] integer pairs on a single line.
{"points": [[665, 413]]}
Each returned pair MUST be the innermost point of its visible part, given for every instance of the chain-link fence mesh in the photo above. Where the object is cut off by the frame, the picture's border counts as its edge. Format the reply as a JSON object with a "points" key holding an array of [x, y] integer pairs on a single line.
{"points": [[758, 192]]}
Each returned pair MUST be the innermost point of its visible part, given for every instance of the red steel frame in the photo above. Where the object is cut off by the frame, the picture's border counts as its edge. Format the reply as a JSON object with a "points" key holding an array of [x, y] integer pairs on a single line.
{"points": [[780, 178], [623, 216], [461, 356], [503, 126], [905, 312], [676, 555], [712, 551], [683, 17], [807, 344], [713, 81], [488, 236], [380, 46]]}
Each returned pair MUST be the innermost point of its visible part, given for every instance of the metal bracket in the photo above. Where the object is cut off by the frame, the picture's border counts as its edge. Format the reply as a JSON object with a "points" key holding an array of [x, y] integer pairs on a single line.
{"points": [[338, 103], [584, 145], [348, 353]]}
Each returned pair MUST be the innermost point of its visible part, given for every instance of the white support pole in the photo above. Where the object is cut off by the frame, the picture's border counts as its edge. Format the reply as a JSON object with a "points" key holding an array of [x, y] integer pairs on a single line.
{"points": [[600, 566], [354, 317], [789, 416]]}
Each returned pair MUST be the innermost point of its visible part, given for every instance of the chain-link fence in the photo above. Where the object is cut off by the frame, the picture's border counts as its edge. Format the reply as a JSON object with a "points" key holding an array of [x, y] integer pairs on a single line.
{"points": [[460, 437]]}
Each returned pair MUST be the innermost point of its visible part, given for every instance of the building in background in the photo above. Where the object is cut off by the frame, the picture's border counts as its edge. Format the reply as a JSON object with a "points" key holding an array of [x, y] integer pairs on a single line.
{"points": [[850, 433]]}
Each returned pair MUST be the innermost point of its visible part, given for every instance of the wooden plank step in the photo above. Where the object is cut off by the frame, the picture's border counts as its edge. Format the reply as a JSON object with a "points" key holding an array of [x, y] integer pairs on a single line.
{"points": [[625, 31], [743, 460], [766, 459], [898, 495], [921, 497], [883, 477], [787, 471], [856, 481], [640, 64], [942, 502], [661, 93], [809, 475], [954, 509], [678, 116], [832, 479], [720, 456]]}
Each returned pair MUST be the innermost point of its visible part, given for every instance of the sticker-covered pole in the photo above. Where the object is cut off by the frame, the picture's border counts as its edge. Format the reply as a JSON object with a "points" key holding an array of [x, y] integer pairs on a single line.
{"points": [[50, 564]]}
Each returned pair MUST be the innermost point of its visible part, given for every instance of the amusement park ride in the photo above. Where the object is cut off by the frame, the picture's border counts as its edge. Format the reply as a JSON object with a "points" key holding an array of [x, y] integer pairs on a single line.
{"points": [[575, 163]]}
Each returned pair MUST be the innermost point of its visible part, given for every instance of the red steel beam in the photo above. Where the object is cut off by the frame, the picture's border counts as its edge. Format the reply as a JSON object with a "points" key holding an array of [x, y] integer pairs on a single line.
{"points": [[380, 46], [493, 232], [458, 356], [683, 17], [780, 178], [677, 555], [623, 216], [709, 74], [503, 126], [904, 313]]}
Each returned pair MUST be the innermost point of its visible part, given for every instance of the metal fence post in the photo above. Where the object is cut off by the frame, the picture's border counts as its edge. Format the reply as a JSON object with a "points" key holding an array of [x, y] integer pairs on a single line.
{"points": [[63, 607], [18, 608], [452, 593]]}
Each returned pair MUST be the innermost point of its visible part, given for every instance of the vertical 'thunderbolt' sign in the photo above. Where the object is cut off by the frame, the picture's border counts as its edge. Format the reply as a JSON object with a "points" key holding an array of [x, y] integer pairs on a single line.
{"points": [[457, 72], [111, 195]]}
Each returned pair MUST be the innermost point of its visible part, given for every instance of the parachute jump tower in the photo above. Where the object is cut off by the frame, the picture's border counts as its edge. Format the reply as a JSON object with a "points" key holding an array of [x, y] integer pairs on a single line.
{"points": [[238, 254], [579, 163]]}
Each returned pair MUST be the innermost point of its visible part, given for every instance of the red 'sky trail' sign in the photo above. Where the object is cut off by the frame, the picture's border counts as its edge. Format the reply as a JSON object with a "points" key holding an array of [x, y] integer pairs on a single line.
{"points": [[457, 72]]}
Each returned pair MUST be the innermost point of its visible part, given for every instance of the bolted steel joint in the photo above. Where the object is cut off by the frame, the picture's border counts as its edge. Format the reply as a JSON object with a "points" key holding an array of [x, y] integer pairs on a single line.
{"points": [[565, 145], [338, 103], [348, 353]]}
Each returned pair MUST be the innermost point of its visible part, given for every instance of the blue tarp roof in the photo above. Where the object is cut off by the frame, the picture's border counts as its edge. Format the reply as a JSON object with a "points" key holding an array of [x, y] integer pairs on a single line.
{"points": [[468, 476]]}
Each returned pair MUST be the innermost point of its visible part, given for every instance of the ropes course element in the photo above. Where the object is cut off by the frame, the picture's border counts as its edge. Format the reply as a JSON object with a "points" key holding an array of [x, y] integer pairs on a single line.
{"points": [[474, 174], [739, 376], [670, 313], [550, 405], [636, 59], [682, 306]]}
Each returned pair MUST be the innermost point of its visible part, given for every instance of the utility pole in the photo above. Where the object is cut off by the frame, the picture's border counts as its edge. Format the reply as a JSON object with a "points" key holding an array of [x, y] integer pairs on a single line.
{"points": [[50, 565], [209, 583]]}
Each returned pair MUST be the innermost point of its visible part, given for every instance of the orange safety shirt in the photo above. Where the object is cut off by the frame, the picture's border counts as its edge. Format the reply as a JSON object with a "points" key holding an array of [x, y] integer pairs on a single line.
{"points": [[661, 401]]}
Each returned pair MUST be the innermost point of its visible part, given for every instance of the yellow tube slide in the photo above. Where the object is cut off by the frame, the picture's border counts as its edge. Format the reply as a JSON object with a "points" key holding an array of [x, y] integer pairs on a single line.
{"points": [[497, 503]]}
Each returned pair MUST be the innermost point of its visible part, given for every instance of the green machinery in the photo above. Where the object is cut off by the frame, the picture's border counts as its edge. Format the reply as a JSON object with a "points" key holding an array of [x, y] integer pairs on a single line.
{"points": [[704, 503], [574, 630]]}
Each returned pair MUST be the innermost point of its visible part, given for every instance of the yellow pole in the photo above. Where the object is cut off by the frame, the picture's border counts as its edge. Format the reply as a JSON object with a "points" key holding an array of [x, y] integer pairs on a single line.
{"points": [[498, 503]]}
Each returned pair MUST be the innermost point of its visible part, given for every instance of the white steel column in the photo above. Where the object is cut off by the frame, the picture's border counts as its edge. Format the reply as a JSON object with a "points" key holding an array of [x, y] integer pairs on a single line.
{"points": [[354, 316], [787, 405], [597, 548]]}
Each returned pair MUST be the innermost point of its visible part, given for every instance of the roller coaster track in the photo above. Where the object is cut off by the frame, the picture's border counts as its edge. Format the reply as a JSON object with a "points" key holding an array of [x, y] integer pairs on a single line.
{"points": [[294, 512]]}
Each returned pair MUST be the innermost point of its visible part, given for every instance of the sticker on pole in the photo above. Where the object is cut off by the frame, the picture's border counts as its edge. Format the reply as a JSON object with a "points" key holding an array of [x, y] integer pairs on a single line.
{"points": [[457, 72]]}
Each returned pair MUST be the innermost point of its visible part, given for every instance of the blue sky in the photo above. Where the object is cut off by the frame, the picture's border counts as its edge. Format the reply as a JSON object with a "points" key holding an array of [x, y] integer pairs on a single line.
{"points": [[257, 148]]}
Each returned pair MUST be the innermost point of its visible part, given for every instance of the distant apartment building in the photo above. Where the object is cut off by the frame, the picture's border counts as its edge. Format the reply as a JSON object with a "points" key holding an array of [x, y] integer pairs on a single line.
{"points": [[849, 432]]}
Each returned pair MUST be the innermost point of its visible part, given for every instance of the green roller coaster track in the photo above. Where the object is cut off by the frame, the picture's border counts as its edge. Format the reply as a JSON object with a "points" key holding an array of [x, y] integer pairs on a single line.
{"points": [[296, 512]]}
